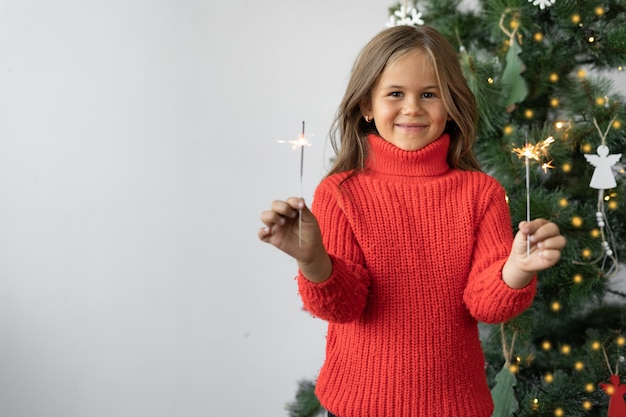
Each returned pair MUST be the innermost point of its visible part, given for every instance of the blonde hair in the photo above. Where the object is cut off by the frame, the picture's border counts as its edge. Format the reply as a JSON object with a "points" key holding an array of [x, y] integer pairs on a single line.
{"points": [[349, 130]]}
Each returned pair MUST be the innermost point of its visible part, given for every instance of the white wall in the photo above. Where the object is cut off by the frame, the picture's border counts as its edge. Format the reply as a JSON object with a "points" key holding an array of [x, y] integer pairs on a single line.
{"points": [[137, 149], [138, 146]]}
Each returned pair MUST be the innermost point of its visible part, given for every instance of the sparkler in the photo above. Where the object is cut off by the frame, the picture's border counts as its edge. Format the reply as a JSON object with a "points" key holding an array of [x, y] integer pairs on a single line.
{"points": [[533, 152], [300, 142]]}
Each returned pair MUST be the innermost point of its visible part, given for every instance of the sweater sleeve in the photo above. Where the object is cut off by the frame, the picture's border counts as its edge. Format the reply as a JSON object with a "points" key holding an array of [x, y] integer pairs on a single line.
{"points": [[488, 298], [343, 296]]}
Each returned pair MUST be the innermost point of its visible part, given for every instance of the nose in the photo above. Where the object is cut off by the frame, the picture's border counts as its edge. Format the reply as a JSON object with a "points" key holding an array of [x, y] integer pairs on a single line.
{"points": [[412, 106]]}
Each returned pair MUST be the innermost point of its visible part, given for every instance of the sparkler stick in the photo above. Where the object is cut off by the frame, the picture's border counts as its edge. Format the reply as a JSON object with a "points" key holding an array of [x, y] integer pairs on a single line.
{"points": [[300, 142], [536, 152]]}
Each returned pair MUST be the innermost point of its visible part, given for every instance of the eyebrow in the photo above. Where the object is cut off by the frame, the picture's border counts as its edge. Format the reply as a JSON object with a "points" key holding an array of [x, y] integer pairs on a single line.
{"points": [[395, 87]]}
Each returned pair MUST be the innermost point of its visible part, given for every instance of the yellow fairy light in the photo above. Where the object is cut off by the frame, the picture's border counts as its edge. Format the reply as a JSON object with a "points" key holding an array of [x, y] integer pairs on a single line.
{"points": [[559, 412], [577, 279], [566, 349], [616, 124], [579, 366], [529, 113], [554, 102], [566, 167], [538, 37], [549, 378], [581, 73], [612, 205], [513, 24], [587, 148], [610, 390], [535, 404], [587, 405], [576, 19], [508, 129], [563, 202], [621, 341], [591, 39], [590, 387], [490, 80], [595, 345], [546, 345], [577, 221], [595, 233], [586, 253], [514, 368], [600, 101], [556, 306], [599, 11], [554, 77]]}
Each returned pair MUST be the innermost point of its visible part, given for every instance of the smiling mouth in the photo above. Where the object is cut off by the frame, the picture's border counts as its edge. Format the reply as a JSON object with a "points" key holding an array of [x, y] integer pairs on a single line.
{"points": [[410, 125]]}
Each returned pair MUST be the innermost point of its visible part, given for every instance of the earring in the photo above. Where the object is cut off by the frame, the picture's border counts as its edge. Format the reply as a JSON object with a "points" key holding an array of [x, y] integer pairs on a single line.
{"points": [[367, 119]]}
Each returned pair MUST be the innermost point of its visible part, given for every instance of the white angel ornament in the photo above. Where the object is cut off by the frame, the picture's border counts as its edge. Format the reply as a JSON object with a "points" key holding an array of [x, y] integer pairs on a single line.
{"points": [[603, 177]]}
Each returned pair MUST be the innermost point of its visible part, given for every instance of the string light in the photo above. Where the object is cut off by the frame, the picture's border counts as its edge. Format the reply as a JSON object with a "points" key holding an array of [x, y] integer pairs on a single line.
{"points": [[566, 167], [549, 378], [590, 387], [546, 345], [566, 349], [581, 73], [595, 345], [579, 366], [535, 404], [554, 77], [586, 253], [563, 202], [559, 412], [508, 129], [578, 279], [616, 124], [621, 341], [587, 405], [577, 221], [556, 306], [538, 37], [576, 19], [599, 11], [529, 113]]}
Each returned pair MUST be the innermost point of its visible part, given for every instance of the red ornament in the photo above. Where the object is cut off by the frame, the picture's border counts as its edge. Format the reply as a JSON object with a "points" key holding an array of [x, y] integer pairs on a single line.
{"points": [[616, 390]]}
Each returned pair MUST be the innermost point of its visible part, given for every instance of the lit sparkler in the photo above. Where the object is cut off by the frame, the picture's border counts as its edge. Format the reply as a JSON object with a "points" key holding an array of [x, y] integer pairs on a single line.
{"points": [[535, 152], [300, 142]]}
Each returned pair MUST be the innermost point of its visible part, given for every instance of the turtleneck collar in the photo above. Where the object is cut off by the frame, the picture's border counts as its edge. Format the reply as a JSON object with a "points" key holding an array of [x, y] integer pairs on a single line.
{"points": [[387, 159]]}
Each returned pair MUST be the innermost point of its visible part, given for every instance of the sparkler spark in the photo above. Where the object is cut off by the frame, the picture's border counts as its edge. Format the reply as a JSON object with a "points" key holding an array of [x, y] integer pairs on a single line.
{"points": [[536, 152], [300, 142]]}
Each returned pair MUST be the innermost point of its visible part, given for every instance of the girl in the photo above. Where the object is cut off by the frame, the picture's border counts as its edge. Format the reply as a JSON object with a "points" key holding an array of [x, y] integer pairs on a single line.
{"points": [[408, 244]]}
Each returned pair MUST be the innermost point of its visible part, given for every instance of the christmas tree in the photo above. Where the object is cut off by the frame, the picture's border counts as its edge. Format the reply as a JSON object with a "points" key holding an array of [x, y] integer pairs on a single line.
{"points": [[552, 131]]}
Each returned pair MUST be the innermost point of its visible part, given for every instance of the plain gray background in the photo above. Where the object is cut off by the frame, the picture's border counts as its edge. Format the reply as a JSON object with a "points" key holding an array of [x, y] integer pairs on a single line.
{"points": [[138, 145]]}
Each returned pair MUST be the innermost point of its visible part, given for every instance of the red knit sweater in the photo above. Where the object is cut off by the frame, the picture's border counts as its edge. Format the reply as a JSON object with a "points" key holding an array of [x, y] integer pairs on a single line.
{"points": [[417, 251]]}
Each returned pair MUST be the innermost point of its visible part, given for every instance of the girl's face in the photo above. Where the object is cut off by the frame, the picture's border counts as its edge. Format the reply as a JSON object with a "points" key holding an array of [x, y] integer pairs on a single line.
{"points": [[406, 103]]}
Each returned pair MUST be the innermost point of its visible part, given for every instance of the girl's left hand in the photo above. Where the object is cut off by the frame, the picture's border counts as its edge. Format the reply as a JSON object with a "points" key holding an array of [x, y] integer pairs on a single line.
{"points": [[546, 244]]}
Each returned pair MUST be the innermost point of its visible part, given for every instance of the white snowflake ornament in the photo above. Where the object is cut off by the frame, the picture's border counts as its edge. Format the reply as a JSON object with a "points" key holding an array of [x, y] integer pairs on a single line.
{"points": [[542, 3], [400, 17]]}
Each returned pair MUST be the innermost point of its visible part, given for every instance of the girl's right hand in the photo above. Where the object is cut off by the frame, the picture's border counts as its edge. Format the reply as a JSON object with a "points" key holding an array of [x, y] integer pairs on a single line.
{"points": [[298, 237]]}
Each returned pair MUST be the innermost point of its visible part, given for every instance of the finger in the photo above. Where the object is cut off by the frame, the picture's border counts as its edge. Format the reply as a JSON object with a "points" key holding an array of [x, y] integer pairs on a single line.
{"points": [[270, 218], [556, 243], [288, 208], [264, 233], [545, 231]]}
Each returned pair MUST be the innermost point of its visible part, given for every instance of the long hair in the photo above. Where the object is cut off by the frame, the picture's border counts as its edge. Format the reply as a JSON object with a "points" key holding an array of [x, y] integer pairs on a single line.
{"points": [[349, 130]]}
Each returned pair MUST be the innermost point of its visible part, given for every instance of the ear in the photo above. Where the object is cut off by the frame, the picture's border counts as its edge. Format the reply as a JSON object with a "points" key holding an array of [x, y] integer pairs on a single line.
{"points": [[365, 106]]}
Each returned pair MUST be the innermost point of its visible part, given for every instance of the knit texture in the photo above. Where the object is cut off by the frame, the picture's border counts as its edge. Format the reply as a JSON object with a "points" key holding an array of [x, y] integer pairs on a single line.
{"points": [[417, 251]]}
